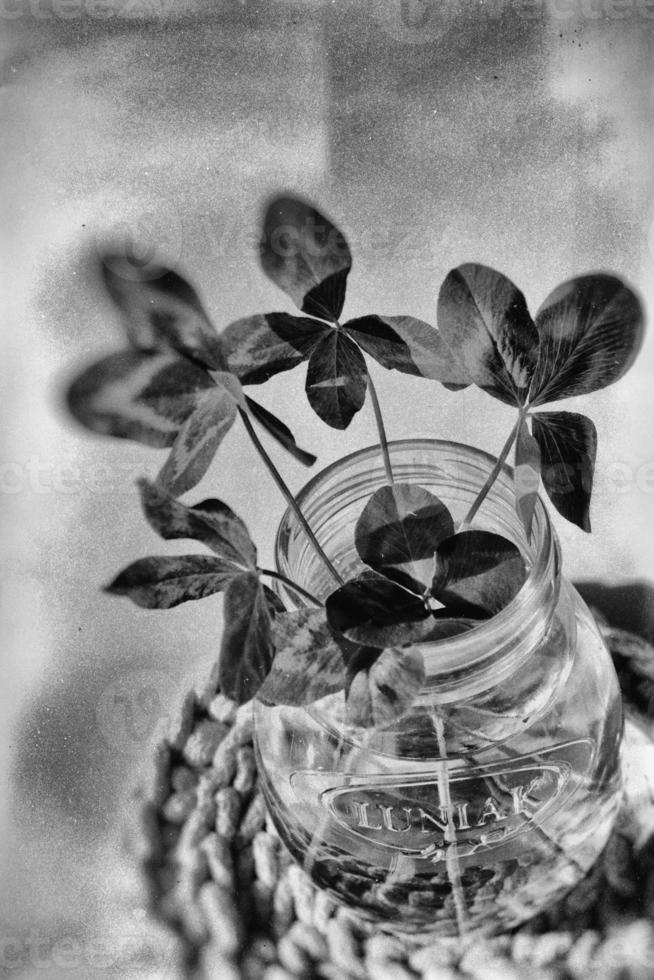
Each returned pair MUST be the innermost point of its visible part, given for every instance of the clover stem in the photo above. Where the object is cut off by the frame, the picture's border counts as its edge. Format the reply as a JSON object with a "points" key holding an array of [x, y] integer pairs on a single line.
{"points": [[451, 849], [494, 473], [288, 496], [291, 585], [383, 441]]}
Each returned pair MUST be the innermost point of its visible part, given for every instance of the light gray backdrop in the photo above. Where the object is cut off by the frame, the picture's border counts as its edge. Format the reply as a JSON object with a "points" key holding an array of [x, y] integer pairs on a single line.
{"points": [[517, 134]]}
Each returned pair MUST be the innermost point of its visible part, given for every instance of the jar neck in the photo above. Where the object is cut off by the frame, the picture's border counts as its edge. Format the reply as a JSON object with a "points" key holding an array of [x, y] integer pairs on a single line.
{"points": [[492, 651]]}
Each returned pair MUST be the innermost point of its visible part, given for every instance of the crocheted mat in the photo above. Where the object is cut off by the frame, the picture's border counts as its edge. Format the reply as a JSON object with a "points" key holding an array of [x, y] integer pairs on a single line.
{"points": [[223, 884]]}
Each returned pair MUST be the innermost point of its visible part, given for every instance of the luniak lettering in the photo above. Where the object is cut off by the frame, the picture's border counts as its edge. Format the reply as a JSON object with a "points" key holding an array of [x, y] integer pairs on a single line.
{"points": [[459, 815], [482, 808]]}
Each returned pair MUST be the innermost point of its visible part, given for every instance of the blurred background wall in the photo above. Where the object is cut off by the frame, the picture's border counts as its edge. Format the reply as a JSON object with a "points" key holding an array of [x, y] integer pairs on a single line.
{"points": [[517, 134]]}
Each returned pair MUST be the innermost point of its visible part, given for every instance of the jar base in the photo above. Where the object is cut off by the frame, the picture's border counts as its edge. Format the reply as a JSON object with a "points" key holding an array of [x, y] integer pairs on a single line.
{"points": [[637, 782]]}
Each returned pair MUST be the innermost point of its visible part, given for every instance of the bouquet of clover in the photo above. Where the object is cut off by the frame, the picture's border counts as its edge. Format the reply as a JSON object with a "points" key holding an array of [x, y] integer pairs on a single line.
{"points": [[179, 385]]}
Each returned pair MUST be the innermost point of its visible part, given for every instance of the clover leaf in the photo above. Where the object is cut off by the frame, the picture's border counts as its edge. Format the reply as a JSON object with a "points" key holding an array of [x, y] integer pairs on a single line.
{"points": [[382, 687], [308, 257], [308, 665], [398, 531], [590, 330], [372, 610], [162, 582], [172, 388], [473, 573], [568, 444], [584, 337], [311, 663], [478, 573], [485, 319]]}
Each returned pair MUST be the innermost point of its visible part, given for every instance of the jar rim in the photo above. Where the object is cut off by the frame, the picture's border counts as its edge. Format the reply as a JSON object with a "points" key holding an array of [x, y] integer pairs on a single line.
{"points": [[523, 616]]}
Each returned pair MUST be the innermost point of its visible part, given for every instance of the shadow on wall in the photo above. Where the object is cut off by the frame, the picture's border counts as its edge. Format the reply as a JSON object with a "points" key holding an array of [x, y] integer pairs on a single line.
{"points": [[627, 607]]}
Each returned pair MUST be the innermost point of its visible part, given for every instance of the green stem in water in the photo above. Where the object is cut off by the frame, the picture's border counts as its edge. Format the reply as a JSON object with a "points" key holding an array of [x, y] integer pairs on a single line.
{"points": [[291, 585], [494, 473], [288, 496], [451, 849], [383, 441]]}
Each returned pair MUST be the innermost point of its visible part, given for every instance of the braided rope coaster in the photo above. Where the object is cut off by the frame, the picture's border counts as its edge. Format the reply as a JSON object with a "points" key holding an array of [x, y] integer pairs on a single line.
{"points": [[218, 876]]}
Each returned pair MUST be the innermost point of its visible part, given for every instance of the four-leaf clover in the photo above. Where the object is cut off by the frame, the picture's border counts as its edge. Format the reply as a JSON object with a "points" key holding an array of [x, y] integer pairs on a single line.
{"points": [[584, 337], [309, 259]]}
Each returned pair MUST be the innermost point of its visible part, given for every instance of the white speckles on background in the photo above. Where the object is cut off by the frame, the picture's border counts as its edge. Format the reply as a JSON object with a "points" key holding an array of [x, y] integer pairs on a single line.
{"points": [[524, 143]]}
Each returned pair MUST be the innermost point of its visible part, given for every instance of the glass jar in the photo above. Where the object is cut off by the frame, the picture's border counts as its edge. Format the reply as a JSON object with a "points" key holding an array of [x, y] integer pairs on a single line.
{"points": [[496, 792]]}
